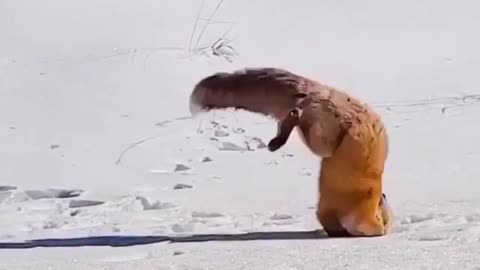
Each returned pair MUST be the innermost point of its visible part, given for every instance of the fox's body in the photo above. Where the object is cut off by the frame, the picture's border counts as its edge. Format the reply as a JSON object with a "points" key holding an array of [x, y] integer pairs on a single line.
{"points": [[347, 134]]}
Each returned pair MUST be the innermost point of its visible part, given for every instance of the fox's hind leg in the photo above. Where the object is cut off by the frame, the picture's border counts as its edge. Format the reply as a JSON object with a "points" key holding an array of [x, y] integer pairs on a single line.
{"points": [[362, 222], [352, 179], [330, 223]]}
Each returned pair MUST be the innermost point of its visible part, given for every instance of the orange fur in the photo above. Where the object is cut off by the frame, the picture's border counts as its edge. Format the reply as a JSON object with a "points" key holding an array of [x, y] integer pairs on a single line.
{"points": [[347, 134]]}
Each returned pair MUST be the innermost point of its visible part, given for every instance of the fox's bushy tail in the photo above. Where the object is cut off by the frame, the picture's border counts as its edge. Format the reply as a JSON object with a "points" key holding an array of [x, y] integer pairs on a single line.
{"points": [[269, 91]]}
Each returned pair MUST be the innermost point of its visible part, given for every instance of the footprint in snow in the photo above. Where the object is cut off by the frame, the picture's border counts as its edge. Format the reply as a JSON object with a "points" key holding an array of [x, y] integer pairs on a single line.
{"points": [[238, 130], [281, 217], [206, 159], [182, 186], [279, 222], [430, 238], [201, 214], [416, 219], [54, 146], [181, 228], [176, 253], [4, 195], [83, 203], [156, 205], [181, 167], [228, 146], [53, 193], [5, 192], [7, 188], [259, 142], [305, 172], [221, 133]]}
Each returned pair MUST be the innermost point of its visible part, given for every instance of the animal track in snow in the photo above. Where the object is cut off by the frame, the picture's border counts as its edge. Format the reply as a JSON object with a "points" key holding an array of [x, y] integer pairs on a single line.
{"points": [[221, 133], [272, 162], [228, 146], [7, 188], [52, 193], [259, 142], [181, 167], [83, 203], [201, 214], [4, 195], [156, 205], [181, 228], [5, 192], [281, 217], [182, 186], [238, 130], [305, 172], [206, 159], [416, 219], [54, 146], [279, 220], [432, 238]]}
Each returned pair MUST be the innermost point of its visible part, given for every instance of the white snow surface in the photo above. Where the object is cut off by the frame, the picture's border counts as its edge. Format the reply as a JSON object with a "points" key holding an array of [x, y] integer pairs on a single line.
{"points": [[103, 168]]}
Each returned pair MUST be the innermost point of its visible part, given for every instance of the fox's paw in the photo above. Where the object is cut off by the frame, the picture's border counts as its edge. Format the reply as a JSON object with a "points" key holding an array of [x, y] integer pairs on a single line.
{"points": [[285, 129], [386, 213], [275, 144]]}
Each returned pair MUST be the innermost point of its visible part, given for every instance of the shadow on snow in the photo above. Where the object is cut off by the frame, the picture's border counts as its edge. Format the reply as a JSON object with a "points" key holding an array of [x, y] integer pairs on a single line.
{"points": [[124, 241]]}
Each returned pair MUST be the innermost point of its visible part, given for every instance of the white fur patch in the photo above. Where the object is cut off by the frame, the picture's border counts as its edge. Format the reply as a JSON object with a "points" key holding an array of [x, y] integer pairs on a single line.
{"points": [[349, 224], [195, 108], [358, 229]]}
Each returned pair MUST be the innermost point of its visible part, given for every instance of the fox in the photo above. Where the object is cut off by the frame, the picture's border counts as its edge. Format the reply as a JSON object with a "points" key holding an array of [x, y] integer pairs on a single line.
{"points": [[347, 135]]}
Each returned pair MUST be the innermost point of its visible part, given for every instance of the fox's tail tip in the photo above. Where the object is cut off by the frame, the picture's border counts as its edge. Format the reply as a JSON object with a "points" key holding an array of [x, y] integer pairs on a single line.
{"points": [[195, 109], [195, 106]]}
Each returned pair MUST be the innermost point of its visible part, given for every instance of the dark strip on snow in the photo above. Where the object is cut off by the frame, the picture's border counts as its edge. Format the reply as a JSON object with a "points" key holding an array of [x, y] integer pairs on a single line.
{"points": [[124, 241]]}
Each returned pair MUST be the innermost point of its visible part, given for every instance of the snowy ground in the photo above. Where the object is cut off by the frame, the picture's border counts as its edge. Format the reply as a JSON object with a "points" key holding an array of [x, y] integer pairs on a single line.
{"points": [[98, 150]]}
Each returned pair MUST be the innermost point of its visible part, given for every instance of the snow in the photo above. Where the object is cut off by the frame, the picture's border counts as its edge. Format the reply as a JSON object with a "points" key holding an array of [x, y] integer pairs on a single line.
{"points": [[99, 149]]}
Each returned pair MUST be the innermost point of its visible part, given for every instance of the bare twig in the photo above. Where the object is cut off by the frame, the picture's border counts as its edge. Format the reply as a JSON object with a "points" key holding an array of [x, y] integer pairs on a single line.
{"points": [[444, 109], [220, 48], [139, 142], [215, 48], [444, 102], [133, 145], [162, 123], [195, 26], [208, 22], [215, 21]]}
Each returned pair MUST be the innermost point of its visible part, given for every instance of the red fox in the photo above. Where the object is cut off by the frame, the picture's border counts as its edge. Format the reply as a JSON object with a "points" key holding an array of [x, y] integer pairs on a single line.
{"points": [[345, 133]]}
